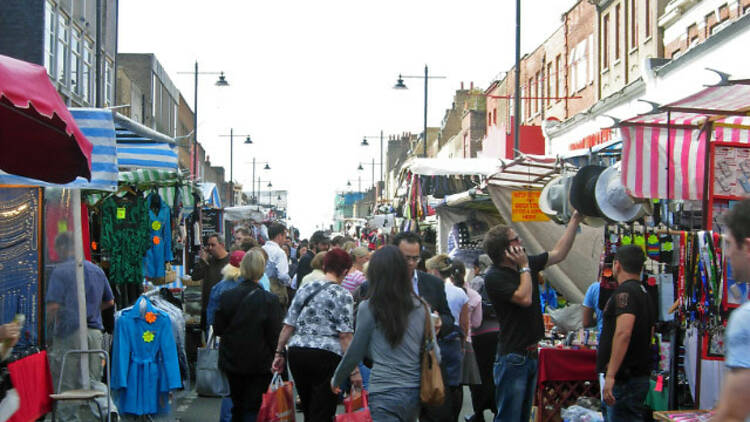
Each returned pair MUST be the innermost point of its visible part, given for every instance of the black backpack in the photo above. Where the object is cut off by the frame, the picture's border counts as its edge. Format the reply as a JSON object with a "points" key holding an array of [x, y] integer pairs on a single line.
{"points": [[488, 311]]}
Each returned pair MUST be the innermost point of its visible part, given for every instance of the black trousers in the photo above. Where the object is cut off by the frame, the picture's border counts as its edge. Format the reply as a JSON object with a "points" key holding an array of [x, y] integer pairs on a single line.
{"points": [[247, 393], [312, 370], [485, 350]]}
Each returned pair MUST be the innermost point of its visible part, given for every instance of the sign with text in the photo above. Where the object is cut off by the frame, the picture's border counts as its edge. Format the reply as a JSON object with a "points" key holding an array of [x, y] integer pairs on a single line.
{"points": [[525, 206]]}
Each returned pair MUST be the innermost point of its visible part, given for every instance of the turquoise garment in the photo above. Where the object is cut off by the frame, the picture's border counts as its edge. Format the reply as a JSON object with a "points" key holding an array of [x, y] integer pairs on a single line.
{"points": [[265, 283], [160, 227], [143, 371]]}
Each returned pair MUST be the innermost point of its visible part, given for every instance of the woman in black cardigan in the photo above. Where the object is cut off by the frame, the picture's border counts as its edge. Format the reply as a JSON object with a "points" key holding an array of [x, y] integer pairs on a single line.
{"points": [[249, 321]]}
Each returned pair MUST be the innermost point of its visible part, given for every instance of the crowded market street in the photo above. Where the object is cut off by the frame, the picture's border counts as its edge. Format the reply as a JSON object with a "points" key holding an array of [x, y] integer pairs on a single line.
{"points": [[519, 211]]}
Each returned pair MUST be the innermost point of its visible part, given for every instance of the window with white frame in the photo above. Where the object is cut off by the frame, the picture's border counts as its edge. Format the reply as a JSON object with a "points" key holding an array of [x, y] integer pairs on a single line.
{"points": [[49, 38], [153, 95], [174, 120], [87, 71], [109, 82], [63, 48], [76, 60], [590, 58]]}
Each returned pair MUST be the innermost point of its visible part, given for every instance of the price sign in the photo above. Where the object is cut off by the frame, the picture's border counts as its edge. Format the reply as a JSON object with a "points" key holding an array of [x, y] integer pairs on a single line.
{"points": [[525, 206]]}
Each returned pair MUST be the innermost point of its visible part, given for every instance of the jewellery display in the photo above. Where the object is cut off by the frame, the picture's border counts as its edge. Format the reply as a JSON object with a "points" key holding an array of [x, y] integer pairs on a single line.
{"points": [[20, 214]]}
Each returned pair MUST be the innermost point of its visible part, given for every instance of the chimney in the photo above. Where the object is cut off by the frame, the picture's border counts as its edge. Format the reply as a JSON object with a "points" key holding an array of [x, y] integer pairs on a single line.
{"points": [[462, 85], [472, 86]]}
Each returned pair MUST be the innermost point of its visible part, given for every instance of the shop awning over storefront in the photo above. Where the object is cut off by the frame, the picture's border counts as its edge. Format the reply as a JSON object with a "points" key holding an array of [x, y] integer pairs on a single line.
{"points": [[210, 194], [140, 147], [664, 152], [98, 127], [170, 185], [39, 137]]}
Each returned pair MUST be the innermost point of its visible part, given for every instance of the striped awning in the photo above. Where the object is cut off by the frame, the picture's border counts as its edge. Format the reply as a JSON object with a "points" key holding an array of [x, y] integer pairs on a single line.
{"points": [[169, 184], [139, 147], [664, 153], [98, 127]]}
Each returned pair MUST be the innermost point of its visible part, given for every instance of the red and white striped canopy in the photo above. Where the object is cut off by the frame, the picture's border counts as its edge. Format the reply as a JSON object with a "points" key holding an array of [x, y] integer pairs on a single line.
{"points": [[663, 154]]}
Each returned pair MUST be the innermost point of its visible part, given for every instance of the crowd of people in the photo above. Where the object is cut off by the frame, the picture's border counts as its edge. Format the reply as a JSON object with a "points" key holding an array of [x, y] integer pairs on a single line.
{"points": [[343, 317]]}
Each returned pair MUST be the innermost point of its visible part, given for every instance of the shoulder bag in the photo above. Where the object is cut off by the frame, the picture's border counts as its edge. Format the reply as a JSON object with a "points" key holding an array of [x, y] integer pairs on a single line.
{"points": [[431, 389]]}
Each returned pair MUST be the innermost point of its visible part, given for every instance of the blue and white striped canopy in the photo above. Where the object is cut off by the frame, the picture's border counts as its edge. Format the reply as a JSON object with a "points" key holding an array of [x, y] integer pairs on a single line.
{"points": [[98, 127], [139, 147]]}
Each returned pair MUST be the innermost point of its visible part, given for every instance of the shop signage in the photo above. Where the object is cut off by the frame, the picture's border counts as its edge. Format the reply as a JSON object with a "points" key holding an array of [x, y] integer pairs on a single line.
{"points": [[731, 171], [210, 222], [525, 206]]}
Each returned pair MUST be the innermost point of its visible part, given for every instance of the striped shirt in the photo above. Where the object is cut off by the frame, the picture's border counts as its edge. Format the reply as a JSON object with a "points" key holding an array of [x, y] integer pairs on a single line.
{"points": [[353, 280]]}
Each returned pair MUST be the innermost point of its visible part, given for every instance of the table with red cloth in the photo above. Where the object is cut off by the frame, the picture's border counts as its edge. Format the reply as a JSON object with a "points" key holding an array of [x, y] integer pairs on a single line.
{"points": [[563, 376]]}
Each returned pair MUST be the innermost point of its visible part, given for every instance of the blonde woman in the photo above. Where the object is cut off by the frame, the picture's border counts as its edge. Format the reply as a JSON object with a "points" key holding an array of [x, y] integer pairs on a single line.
{"points": [[248, 320]]}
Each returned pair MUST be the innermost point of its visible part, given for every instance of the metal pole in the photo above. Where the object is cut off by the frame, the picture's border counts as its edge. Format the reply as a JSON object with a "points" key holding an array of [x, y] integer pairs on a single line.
{"points": [[374, 189], [517, 93], [196, 173], [252, 183], [80, 287], [381, 162], [98, 74], [425, 111], [231, 167], [359, 181]]}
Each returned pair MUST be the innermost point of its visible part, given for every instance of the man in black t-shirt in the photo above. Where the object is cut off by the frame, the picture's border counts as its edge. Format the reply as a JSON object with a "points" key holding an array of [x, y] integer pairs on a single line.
{"points": [[514, 294], [624, 354]]}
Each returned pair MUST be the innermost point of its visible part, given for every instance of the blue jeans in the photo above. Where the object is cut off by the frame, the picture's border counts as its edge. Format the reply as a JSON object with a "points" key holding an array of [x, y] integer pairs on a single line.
{"points": [[225, 414], [629, 398], [515, 384], [398, 404]]}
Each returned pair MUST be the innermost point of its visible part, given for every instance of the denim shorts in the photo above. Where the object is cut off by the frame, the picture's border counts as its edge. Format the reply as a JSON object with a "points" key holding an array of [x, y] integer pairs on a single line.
{"points": [[395, 405]]}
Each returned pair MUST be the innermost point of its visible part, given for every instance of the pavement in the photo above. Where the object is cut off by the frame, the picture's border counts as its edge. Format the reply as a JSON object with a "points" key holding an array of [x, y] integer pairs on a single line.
{"points": [[193, 408]]}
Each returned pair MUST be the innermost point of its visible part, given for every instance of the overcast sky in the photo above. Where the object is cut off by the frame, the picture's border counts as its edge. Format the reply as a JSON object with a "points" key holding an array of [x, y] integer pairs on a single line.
{"points": [[308, 79]]}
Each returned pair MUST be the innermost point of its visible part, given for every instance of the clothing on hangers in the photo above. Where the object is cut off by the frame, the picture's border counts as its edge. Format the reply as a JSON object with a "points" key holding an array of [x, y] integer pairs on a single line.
{"points": [[145, 365], [160, 232], [125, 237]]}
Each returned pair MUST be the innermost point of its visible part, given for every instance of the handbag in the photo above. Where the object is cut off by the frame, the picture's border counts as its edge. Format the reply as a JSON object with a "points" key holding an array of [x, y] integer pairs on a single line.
{"points": [[210, 381], [170, 275], [278, 401], [431, 389], [356, 408], [470, 369]]}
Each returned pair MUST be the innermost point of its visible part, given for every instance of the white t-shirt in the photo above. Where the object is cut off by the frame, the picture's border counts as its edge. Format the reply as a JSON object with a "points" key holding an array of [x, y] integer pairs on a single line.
{"points": [[457, 298]]}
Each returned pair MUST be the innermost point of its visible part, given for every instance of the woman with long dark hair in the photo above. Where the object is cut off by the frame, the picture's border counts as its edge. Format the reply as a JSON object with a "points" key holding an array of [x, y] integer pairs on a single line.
{"points": [[390, 330], [317, 330]]}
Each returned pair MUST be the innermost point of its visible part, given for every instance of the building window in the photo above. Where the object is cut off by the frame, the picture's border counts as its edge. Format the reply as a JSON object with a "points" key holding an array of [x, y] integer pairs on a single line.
{"points": [[605, 42], [63, 48], [557, 76], [76, 60], [617, 32], [87, 72], [536, 93], [49, 38], [590, 58], [647, 20], [531, 100], [692, 35], [549, 84], [153, 95], [633, 25], [494, 116], [109, 82]]}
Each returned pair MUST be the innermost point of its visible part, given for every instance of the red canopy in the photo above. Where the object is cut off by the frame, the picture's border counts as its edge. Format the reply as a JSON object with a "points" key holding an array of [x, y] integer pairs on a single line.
{"points": [[38, 136]]}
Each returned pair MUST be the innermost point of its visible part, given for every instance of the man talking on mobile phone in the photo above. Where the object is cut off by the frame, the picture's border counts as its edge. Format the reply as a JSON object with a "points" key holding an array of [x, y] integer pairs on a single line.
{"points": [[511, 286]]}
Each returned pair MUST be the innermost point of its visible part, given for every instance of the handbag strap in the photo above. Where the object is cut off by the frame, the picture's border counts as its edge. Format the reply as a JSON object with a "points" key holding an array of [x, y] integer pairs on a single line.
{"points": [[312, 295], [427, 327]]}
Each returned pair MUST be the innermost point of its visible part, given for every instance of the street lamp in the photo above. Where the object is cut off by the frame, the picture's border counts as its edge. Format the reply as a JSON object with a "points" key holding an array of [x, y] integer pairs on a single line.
{"points": [[400, 85], [222, 81], [364, 143], [252, 184], [248, 141], [373, 164]]}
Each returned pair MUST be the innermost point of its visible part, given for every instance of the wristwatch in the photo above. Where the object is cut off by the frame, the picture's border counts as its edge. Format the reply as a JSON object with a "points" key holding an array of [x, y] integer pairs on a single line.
{"points": [[524, 270]]}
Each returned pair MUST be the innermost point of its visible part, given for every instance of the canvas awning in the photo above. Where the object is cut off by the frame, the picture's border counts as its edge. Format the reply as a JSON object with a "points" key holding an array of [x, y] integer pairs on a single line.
{"points": [[140, 147], [452, 166], [98, 127], [664, 152], [39, 137], [210, 194]]}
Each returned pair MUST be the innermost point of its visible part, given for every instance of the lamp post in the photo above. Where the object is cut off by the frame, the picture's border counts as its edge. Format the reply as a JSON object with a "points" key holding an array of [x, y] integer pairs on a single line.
{"points": [[364, 143], [269, 186], [400, 85], [248, 141], [517, 94], [222, 81], [252, 184], [373, 164]]}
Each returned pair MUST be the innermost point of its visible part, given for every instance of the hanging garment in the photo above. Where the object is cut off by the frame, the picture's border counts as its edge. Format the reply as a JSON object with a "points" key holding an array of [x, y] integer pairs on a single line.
{"points": [[160, 235], [125, 237], [145, 366], [33, 382]]}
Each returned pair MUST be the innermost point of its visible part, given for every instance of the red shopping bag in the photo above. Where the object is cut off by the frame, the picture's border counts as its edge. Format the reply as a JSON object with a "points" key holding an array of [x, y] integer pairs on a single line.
{"points": [[278, 402], [357, 409]]}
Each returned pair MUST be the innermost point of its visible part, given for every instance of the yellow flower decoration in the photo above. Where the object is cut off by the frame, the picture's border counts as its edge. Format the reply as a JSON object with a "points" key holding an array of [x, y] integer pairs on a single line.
{"points": [[148, 336], [150, 317]]}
